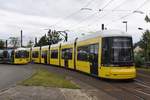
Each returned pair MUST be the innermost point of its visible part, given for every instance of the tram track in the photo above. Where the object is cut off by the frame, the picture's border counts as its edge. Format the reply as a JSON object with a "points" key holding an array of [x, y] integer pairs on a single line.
{"points": [[138, 88], [144, 84], [134, 94]]}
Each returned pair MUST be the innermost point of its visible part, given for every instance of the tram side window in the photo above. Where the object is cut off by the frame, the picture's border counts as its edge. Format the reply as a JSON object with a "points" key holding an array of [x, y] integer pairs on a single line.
{"points": [[67, 53], [35, 54], [26, 54], [83, 53], [88, 53], [93, 53], [54, 54], [44, 53]]}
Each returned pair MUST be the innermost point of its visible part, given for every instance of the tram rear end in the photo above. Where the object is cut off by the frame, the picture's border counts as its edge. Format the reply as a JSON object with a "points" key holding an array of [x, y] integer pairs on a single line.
{"points": [[117, 58]]}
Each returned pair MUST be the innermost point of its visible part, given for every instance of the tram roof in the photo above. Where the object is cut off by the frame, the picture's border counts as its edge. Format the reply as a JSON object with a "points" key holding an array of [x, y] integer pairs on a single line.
{"points": [[47, 46], [105, 33], [21, 49], [35, 47], [68, 42], [55, 45], [111, 33]]}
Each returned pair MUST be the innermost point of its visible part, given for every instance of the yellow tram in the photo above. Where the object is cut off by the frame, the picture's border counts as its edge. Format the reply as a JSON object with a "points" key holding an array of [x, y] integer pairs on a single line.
{"points": [[21, 56], [105, 54]]}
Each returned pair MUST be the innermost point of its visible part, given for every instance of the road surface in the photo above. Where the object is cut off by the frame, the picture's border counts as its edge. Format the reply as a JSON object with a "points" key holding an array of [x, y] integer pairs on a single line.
{"points": [[12, 74]]}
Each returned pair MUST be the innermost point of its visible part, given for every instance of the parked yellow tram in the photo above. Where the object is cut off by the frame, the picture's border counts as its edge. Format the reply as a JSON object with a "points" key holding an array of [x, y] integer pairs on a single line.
{"points": [[21, 56]]}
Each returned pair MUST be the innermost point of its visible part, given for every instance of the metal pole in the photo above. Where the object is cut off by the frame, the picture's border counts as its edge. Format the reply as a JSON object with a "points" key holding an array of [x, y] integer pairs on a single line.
{"points": [[126, 27], [103, 27], [21, 38], [6, 44]]}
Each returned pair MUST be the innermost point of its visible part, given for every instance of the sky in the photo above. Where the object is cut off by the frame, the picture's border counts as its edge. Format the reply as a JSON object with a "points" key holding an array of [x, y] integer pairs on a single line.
{"points": [[34, 17]]}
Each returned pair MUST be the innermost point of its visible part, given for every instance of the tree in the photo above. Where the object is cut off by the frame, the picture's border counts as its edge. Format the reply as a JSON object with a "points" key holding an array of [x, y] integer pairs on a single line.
{"points": [[53, 37], [139, 58], [143, 57], [30, 43], [43, 41], [2, 44], [14, 41], [147, 19], [144, 44]]}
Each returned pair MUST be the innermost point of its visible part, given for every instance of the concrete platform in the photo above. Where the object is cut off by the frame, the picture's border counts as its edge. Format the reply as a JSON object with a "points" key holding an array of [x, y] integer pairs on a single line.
{"points": [[50, 93]]}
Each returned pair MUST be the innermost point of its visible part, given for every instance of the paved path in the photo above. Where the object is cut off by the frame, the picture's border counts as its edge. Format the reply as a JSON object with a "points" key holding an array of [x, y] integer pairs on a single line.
{"points": [[11, 74]]}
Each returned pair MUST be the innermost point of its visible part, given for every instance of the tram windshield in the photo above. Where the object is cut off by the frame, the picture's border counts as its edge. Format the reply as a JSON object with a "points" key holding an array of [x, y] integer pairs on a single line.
{"points": [[21, 54], [118, 51], [121, 50]]}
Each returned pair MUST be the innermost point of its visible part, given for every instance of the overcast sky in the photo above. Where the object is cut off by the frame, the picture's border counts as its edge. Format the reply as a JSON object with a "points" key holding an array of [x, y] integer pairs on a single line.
{"points": [[34, 16]]}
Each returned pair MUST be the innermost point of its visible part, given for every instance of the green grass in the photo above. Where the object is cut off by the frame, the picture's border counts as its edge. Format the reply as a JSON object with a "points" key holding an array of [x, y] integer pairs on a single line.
{"points": [[43, 77]]}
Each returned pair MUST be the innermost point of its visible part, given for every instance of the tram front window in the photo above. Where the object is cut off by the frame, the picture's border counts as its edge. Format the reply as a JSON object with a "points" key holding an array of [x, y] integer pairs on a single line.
{"points": [[117, 51], [121, 51], [21, 54]]}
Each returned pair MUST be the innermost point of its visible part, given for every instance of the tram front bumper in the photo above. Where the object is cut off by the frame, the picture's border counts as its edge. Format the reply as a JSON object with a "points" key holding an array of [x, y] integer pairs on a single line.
{"points": [[120, 73], [123, 73]]}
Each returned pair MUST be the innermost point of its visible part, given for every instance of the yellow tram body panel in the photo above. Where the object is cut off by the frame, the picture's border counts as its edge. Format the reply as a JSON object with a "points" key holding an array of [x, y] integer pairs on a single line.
{"points": [[20, 61], [71, 64], [36, 59], [84, 66], [29, 57], [70, 61], [117, 72], [54, 62], [42, 60]]}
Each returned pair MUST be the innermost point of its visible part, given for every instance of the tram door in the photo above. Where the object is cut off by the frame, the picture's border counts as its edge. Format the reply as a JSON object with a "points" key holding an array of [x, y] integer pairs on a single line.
{"points": [[66, 59], [93, 58]]}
